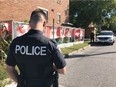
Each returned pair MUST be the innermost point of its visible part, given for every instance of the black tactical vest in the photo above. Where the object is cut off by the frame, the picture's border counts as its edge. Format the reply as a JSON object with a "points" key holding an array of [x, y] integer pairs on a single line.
{"points": [[34, 59]]}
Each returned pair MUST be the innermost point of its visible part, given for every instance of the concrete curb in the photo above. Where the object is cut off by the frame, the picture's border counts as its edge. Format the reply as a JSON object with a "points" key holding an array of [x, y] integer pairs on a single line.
{"points": [[74, 52]]}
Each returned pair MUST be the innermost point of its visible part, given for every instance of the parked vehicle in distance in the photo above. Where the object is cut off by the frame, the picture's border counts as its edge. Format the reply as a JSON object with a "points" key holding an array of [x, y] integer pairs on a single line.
{"points": [[105, 37]]}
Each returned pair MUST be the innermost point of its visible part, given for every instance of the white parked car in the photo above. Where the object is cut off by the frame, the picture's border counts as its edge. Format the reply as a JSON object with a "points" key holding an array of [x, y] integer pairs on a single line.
{"points": [[105, 37]]}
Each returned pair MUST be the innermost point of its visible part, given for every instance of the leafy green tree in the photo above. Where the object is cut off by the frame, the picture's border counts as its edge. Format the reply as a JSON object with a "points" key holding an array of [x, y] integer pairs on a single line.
{"points": [[100, 12], [112, 26]]}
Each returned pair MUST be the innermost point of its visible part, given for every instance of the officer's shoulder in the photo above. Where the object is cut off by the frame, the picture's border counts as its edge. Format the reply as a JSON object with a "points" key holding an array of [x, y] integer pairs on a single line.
{"points": [[16, 39], [49, 41], [19, 37], [53, 42], [44, 40]]}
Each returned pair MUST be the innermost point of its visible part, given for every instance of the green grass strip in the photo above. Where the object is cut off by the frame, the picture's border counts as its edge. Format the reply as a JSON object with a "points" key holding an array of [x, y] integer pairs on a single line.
{"points": [[70, 49]]}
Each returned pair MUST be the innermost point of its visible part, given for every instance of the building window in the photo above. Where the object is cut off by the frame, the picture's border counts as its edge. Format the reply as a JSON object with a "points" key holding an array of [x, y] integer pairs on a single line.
{"points": [[59, 18], [59, 1], [45, 10]]}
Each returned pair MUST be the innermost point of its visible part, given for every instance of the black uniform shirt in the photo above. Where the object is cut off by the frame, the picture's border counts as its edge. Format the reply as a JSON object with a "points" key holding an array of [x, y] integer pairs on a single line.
{"points": [[33, 52]]}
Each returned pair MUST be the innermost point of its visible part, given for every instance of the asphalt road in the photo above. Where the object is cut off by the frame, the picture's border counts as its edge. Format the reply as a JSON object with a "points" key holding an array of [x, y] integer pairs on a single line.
{"points": [[93, 67]]}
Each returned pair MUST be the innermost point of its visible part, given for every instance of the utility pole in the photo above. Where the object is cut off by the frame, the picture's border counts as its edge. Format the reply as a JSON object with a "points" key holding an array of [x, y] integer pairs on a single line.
{"points": [[53, 22], [53, 28]]}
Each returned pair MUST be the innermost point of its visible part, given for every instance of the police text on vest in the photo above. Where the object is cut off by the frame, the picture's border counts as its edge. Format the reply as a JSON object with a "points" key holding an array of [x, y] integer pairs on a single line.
{"points": [[30, 50]]}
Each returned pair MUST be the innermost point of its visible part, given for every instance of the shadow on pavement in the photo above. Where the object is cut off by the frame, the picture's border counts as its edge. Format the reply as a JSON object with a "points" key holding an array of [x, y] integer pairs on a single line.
{"points": [[88, 55]]}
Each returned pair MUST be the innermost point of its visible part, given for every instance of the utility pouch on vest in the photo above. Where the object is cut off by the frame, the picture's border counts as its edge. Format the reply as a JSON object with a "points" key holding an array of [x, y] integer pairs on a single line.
{"points": [[56, 76], [49, 81], [52, 81], [50, 78]]}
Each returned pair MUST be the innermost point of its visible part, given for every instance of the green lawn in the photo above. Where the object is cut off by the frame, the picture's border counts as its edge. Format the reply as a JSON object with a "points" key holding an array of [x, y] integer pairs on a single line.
{"points": [[3, 74], [70, 49]]}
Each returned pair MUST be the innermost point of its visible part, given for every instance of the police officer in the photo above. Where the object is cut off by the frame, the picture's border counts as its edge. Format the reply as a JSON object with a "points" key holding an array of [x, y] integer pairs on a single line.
{"points": [[92, 37], [37, 57]]}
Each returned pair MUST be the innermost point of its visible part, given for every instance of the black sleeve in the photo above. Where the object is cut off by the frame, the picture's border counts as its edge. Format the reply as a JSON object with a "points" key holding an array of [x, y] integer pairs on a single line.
{"points": [[58, 58], [10, 58]]}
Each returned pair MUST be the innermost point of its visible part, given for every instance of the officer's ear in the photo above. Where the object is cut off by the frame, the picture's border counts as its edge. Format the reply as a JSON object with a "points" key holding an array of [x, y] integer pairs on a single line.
{"points": [[44, 24]]}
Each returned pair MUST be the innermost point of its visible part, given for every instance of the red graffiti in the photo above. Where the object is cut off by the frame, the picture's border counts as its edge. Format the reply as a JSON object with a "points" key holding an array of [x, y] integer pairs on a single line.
{"points": [[66, 31], [20, 29]]}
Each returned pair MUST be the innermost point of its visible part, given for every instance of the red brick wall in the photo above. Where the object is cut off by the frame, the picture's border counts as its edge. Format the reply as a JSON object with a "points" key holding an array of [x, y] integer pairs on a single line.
{"points": [[20, 10]]}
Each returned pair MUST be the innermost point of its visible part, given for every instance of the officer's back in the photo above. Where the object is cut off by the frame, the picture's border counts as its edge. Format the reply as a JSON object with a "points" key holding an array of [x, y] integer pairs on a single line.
{"points": [[35, 55]]}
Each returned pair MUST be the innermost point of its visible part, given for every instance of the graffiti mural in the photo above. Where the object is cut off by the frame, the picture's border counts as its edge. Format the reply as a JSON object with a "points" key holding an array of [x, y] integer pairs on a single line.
{"points": [[16, 29]]}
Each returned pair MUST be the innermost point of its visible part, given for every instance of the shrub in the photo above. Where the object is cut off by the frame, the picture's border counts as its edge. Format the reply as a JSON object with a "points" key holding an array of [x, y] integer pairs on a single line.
{"points": [[59, 40], [5, 40], [66, 40], [3, 73], [26, 21]]}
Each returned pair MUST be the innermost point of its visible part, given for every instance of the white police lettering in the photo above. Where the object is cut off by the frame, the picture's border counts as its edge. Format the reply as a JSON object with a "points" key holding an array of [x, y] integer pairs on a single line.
{"points": [[43, 50], [37, 53], [22, 50], [35, 50]]}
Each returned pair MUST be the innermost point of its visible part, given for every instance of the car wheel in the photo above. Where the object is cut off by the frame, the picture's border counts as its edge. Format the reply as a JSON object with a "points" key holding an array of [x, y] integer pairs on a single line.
{"points": [[111, 44]]}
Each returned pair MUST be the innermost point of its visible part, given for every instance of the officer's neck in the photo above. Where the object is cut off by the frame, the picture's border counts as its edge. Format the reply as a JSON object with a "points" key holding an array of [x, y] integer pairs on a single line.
{"points": [[40, 29]]}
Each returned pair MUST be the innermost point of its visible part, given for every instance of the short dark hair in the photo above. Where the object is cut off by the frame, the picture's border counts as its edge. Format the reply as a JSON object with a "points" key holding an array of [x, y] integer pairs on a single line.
{"points": [[36, 16]]}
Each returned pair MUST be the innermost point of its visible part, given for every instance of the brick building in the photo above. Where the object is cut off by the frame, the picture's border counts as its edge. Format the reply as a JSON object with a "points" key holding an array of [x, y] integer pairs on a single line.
{"points": [[20, 10]]}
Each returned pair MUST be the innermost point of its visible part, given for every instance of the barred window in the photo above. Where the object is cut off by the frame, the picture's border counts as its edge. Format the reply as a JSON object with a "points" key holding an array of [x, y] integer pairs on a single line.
{"points": [[59, 17]]}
